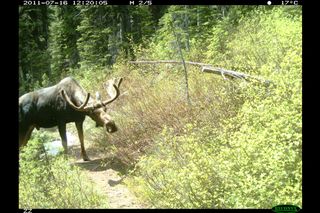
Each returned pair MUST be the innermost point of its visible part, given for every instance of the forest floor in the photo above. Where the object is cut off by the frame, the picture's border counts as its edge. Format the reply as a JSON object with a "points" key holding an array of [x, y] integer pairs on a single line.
{"points": [[107, 174]]}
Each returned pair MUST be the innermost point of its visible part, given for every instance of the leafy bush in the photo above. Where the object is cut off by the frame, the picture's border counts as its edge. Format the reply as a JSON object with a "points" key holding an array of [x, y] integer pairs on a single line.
{"points": [[252, 158], [181, 172], [261, 38], [51, 182]]}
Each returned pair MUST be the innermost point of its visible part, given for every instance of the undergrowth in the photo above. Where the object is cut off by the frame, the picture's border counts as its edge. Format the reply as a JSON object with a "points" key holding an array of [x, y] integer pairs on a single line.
{"points": [[47, 182], [238, 144], [242, 145]]}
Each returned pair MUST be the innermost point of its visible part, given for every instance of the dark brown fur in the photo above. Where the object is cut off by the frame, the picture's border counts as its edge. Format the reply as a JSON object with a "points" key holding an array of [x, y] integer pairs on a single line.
{"points": [[46, 108]]}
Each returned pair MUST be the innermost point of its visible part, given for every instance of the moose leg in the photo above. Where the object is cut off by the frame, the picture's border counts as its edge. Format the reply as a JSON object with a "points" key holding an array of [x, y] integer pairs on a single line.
{"points": [[80, 134], [63, 135], [24, 136], [28, 135]]}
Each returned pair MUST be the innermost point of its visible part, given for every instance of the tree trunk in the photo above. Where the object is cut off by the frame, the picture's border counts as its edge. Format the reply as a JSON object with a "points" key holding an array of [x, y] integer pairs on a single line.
{"points": [[198, 17], [186, 27], [184, 64]]}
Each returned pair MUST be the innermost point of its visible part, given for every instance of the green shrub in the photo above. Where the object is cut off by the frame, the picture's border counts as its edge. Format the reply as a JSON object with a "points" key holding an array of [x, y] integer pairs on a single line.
{"points": [[261, 38], [181, 172], [254, 162], [156, 98], [51, 182], [252, 157]]}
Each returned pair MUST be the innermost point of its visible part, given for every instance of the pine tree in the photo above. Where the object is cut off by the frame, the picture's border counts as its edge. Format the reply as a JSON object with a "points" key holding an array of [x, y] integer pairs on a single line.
{"points": [[63, 40], [34, 59]]}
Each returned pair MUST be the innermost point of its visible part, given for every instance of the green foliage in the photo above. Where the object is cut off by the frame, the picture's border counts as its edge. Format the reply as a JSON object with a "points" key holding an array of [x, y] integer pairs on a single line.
{"points": [[56, 40], [248, 49], [251, 159], [154, 97], [94, 41], [34, 59], [63, 40], [238, 145], [181, 171], [105, 31], [51, 182], [192, 24], [164, 43]]}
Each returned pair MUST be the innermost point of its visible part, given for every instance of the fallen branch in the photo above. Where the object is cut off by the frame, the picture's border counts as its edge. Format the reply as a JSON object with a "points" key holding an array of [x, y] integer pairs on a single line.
{"points": [[168, 62], [232, 74], [208, 69]]}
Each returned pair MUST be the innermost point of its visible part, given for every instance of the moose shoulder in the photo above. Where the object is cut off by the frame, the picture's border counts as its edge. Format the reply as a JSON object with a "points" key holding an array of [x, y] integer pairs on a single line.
{"points": [[60, 104]]}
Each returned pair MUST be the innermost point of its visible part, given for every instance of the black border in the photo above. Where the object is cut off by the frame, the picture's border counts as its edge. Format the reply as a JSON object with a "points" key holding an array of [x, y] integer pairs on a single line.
{"points": [[10, 79], [9, 87]]}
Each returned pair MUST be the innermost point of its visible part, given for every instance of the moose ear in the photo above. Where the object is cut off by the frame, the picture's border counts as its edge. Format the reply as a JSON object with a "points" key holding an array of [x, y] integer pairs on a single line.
{"points": [[98, 96]]}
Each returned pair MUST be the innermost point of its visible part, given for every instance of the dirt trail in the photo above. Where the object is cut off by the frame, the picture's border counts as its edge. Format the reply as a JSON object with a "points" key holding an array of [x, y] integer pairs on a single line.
{"points": [[104, 172]]}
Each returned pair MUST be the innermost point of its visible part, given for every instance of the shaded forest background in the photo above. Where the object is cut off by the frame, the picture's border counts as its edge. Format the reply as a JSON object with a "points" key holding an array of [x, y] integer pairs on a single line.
{"points": [[237, 144], [54, 41]]}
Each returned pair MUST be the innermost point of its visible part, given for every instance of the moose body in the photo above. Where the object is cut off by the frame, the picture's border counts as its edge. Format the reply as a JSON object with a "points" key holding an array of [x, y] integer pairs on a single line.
{"points": [[60, 104]]}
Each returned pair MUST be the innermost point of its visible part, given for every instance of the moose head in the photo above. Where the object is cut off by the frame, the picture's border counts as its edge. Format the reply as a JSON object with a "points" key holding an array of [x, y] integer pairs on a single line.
{"points": [[97, 109]]}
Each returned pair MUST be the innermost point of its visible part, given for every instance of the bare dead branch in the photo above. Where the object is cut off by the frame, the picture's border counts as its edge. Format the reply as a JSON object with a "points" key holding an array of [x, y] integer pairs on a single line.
{"points": [[209, 69], [232, 74], [168, 61]]}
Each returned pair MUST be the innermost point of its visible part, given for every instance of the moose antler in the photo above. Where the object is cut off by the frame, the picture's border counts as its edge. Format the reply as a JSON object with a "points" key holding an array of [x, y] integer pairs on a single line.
{"points": [[119, 82], [84, 108], [116, 87], [80, 108]]}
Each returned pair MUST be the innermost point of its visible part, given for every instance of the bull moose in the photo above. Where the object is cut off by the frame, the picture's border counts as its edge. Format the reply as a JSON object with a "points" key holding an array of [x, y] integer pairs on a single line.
{"points": [[63, 103]]}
